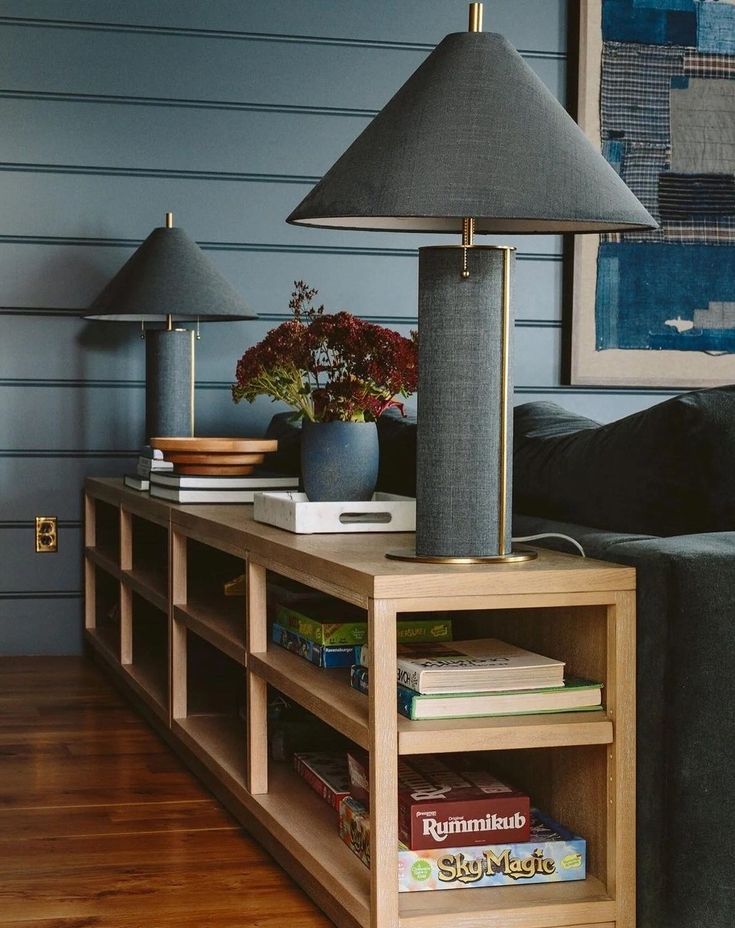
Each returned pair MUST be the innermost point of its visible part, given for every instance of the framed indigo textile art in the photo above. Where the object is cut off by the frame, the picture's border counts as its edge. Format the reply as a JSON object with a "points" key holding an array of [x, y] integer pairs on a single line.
{"points": [[657, 93]]}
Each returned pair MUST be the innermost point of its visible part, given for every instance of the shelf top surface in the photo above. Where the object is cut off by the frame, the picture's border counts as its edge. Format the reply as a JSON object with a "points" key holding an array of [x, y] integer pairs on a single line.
{"points": [[357, 562]]}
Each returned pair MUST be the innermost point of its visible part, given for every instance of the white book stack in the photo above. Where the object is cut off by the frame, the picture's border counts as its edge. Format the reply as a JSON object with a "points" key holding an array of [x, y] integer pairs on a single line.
{"points": [[187, 488], [151, 460]]}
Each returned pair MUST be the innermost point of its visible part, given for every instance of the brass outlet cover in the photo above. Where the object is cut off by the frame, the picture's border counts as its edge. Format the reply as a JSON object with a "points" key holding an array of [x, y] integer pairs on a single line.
{"points": [[47, 541]]}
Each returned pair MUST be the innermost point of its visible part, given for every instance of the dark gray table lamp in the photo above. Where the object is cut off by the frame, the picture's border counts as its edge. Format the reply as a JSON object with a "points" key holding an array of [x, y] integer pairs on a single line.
{"points": [[473, 142], [169, 279]]}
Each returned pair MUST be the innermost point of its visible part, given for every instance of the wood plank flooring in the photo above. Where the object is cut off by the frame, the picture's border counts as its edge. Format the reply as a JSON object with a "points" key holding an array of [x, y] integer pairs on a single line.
{"points": [[101, 826]]}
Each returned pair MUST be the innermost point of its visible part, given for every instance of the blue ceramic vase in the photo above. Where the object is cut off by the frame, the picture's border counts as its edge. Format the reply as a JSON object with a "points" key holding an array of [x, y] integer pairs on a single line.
{"points": [[339, 460]]}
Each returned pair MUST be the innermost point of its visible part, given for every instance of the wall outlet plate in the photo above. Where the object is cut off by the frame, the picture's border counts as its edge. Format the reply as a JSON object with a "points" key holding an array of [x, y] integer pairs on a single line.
{"points": [[47, 541]]}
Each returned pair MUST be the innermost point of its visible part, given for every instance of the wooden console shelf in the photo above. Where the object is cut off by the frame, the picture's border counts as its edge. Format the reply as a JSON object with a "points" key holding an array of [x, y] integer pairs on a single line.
{"points": [[199, 665]]}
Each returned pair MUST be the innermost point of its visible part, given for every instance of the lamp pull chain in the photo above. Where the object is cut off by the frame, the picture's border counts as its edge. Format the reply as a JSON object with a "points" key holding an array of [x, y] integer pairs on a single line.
{"points": [[142, 329], [198, 336]]}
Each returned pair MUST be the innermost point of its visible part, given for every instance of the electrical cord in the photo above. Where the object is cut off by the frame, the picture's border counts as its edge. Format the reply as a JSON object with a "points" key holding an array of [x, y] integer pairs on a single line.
{"points": [[572, 541]]}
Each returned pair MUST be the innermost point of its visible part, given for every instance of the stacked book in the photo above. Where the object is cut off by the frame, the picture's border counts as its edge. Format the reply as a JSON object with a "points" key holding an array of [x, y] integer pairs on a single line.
{"points": [[150, 460], [484, 677], [189, 488], [326, 632]]}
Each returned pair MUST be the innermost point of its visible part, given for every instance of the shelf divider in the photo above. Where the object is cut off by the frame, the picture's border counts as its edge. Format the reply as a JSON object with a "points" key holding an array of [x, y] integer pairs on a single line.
{"points": [[325, 693]]}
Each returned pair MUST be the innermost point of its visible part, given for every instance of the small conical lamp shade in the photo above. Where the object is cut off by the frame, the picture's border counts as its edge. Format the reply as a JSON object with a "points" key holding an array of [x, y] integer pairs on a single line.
{"points": [[169, 279], [473, 132], [169, 275]]}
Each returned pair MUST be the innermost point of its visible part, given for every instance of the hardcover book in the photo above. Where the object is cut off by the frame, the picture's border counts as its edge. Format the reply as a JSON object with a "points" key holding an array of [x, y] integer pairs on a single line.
{"points": [[136, 482], [472, 666], [334, 622], [552, 854], [577, 695], [194, 482], [324, 656], [326, 774]]}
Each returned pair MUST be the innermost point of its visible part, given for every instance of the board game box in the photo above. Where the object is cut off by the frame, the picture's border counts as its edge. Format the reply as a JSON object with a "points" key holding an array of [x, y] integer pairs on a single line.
{"points": [[325, 623], [326, 656], [552, 854], [445, 803], [326, 774]]}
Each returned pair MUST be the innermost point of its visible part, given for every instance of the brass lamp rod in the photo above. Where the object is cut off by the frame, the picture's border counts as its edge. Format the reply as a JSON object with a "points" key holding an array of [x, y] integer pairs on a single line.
{"points": [[169, 223], [475, 17]]}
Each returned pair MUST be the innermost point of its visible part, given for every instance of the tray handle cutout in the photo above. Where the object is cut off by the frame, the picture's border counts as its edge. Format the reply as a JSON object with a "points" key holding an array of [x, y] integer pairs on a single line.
{"points": [[350, 518]]}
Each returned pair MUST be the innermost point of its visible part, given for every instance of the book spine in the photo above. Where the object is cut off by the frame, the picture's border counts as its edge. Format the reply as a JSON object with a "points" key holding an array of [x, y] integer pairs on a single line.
{"points": [[406, 702]]}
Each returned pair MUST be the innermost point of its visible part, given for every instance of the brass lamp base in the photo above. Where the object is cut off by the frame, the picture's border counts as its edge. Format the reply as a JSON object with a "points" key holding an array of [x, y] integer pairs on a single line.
{"points": [[517, 555]]}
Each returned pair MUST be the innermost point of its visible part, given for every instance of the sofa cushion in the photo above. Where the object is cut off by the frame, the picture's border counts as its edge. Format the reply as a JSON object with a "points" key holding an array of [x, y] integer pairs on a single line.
{"points": [[664, 471]]}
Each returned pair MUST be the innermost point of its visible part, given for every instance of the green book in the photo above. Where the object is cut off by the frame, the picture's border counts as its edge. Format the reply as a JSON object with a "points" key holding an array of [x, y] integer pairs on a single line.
{"points": [[575, 696], [331, 624]]}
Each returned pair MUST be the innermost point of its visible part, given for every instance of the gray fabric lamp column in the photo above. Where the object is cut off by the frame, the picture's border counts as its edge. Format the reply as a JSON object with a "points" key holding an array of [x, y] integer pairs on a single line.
{"points": [[169, 279], [473, 142]]}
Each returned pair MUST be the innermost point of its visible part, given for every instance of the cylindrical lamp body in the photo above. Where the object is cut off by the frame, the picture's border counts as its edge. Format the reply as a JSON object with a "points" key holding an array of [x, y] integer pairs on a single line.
{"points": [[169, 383], [464, 433]]}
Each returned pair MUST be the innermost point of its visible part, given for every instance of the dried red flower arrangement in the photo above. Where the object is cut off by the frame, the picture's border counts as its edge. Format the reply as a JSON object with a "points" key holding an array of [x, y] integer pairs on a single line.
{"points": [[329, 366]]}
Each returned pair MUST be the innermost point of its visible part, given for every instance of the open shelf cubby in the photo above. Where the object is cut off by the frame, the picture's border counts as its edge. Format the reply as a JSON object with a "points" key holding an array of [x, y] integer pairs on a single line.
{"points": [[106, 619], [209, 704], [148, 560], [107, 531], [208, 610], [147, 661]]}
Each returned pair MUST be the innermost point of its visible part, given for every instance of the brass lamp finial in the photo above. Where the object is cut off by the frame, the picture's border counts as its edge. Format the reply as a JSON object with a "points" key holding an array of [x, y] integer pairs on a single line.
{"points": [[475, 17], [169, 220]]}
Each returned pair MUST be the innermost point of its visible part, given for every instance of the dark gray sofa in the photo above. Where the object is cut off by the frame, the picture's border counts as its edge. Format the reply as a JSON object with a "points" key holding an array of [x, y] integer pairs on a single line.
{"points": [[659, 472], [655, 491]]}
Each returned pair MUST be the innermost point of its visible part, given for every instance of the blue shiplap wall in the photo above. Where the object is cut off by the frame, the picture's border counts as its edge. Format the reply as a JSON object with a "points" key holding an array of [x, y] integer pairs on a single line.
{"points": [[226, 112]]}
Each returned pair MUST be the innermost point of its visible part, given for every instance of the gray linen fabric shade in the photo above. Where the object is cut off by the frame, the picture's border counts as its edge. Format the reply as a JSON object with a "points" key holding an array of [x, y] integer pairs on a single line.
{"points": [[169, 275], [473, 133], [169, 279]]}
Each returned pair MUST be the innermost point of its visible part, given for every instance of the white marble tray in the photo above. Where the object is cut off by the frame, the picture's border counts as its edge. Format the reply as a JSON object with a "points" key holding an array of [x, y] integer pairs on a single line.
{"points": [[385, 512]]}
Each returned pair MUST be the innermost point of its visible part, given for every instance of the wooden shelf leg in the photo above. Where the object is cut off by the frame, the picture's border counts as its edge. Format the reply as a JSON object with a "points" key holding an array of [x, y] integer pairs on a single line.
{"points": [[256, 631], [177, 575], [383, 735], [621, 780]]}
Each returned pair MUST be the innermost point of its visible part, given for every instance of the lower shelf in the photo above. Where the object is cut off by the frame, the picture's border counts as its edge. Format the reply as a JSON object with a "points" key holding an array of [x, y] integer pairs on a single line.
{"points": [[148, 683], [307, 827], [106, 640], [218, 741]]}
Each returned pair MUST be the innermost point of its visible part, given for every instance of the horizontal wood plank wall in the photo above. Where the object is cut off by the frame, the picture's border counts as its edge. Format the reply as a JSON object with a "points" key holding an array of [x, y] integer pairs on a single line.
{"points": [[226, 113]]}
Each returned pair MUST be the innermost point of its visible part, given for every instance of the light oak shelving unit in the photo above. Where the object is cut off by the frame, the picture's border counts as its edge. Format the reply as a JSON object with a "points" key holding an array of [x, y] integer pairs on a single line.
{"points": [[200, 665]]}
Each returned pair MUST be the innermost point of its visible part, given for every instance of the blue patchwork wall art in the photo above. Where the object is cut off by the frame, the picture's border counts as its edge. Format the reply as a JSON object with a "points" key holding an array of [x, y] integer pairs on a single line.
{"points": [[657, 93]]}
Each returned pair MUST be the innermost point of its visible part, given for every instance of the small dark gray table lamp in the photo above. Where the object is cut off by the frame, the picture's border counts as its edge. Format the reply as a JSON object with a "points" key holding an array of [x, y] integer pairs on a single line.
{"points": [[169, 279], [472, 142]]}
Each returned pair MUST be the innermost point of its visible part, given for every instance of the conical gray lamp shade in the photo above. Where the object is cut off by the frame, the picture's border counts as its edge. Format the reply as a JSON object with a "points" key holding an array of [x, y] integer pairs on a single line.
{"points": [[169, 275], [473, 133], [169, 279]]}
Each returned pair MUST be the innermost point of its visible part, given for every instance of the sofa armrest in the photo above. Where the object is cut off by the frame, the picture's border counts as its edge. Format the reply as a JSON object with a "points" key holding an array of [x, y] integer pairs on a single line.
{"points": [[686, 715]]}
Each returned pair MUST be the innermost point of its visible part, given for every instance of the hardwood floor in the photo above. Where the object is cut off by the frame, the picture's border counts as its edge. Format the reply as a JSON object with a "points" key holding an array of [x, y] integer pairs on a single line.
{"points": [[101, 826]]}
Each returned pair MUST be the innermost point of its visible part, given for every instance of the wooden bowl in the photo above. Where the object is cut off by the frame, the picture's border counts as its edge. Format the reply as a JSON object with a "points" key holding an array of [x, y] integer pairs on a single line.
{"points": [[211, 457], [216, 445]]}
